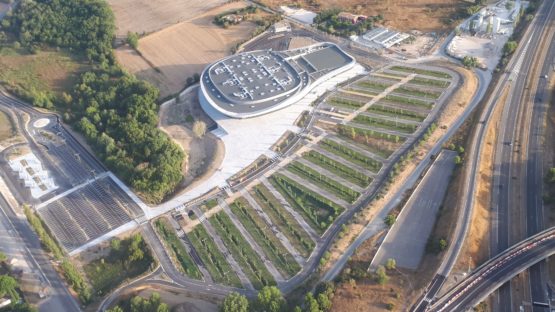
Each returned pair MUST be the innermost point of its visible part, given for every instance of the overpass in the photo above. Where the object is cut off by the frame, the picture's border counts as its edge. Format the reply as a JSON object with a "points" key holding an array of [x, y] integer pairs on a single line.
{"points": [[495, 272]]}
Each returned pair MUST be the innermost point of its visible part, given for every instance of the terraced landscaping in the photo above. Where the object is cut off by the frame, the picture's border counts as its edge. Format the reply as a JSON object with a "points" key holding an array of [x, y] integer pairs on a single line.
{"points": [[177, 249], [242, 252], [385, 124], [430, 82], [342, 102], [372, 84], [395, 112], [410, 101], [353, 132], [350, 155], [431, 73], [263, 235], [335, 167], [213, 259], [418, 93], [317, 210], [299, 239], [318, 179]]}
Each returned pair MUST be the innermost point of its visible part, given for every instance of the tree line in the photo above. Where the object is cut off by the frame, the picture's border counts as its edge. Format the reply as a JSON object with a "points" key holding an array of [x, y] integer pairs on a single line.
{"points": [[115, 111]]}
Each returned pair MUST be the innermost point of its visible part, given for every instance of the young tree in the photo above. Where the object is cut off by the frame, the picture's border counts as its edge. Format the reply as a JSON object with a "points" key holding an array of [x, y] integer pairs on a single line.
{"points": [[8, 287], [199, 128], [390, 264], [133, 40], [442, 244], [235, 302], [270, 299], [390, 219], [381, 275]]}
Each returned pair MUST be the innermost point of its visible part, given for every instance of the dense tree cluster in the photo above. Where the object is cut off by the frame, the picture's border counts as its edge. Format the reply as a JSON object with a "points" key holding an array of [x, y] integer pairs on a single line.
{"points": [[83, 26], [328, 21], [118, 115], [140, 304]]}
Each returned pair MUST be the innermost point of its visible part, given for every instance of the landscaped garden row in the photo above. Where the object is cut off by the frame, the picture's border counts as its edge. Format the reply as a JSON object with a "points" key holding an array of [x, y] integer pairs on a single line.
{"points": [[395, 112], [354, 131], [338, 168], [242, 252], [319, 211], [377, 85], [177, 249], [351, 155], [430, 82], [336, 101], [263, 235], [410, 101], [417, 92], [424, 72], [385, 124], [281, 218], [320, 180], [212, 258]]}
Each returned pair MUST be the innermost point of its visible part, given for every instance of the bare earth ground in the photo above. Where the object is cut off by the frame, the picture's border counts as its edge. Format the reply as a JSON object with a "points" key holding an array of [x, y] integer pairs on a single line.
{"points": [[6, 129], [404, 15], [147, 16], [204, 155], [454, 108], [175, 53], [366, 294], [299, 42]]}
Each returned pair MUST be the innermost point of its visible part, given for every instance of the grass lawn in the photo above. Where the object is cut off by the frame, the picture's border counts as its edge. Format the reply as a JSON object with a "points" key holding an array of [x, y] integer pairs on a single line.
{"points": [[47, 73], [6, 127]]}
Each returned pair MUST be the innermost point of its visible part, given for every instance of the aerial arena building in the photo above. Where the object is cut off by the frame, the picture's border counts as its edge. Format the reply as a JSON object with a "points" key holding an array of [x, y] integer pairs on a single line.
{"points": [[255, 83]]}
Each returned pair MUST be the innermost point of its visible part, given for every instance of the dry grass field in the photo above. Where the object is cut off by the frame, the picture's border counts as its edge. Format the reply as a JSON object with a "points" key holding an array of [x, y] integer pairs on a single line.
{"points": [[6, 129], [404, 15], [147, 16], [168, 57]]}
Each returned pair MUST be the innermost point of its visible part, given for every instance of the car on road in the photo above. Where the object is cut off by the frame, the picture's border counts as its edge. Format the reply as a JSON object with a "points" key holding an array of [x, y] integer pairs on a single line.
{"points": [[545, 76]]}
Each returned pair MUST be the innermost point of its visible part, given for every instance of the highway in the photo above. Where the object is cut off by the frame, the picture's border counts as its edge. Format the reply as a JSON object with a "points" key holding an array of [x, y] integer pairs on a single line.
{"points": [[530, 39], [496, 272]]}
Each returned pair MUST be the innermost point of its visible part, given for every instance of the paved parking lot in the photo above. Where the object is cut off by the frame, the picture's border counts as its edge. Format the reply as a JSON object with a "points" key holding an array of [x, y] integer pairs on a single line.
{"points": [[406, 240]]}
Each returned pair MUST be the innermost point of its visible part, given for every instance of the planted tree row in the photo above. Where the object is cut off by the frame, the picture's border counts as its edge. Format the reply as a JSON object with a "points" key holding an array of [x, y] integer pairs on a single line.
{"points": [[353, 132], [177, 248], [373, 84], [242, 252], [430, 82], [385, 124], [345, 102], [319, 211], [338, 168], [424, 72], [316, 177], [410, 101], [281, 218], [212, 258], [263, 235], [351, 155], [420, 93], [395, 112], [364, 91]]}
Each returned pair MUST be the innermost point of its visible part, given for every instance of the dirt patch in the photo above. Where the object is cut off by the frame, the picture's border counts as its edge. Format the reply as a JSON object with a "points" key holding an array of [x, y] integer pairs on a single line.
{"points": [[147, 16], [404, 15], [204, 155], [168, 57], [299, 42]]}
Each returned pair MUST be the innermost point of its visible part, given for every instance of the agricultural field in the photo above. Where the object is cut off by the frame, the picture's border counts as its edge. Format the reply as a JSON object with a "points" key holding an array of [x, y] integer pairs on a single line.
{"points": [[213, 259], [170, 56], [316, 209], [148, 16], [286, 223], [242, 252], [177, 249], [262, 234]]}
